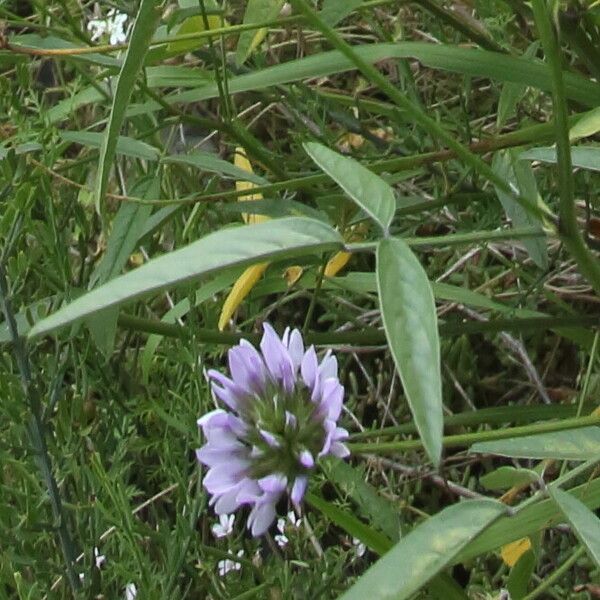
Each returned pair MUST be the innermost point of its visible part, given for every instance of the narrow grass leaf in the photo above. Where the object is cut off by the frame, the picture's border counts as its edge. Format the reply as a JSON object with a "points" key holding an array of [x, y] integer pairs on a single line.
{"points": [[410, 323], [379, 511], [585, 523], [466, 61], [373, 539], [207, 161], [368, 190], [236, 246], [143, 28], [573, 444], [125, 145], [425, 551], [584, 157]]}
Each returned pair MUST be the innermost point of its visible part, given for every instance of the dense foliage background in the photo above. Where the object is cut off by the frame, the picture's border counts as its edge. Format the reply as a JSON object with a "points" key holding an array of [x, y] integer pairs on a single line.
{"points": [[174, 174]]}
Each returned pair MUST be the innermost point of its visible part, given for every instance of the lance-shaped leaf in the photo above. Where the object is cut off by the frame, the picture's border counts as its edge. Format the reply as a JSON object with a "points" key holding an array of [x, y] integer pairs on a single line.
{"points": [[425, 551], [410, 323], [584, 522], [143, 28], [368, 190], [236, 246]]}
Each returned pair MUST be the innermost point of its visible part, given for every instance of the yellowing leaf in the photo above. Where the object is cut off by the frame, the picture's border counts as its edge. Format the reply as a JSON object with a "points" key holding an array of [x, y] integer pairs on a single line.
{"points": [[194, 25], [512, 552], [336, 264], [241, 161], [292, 274], [241, 288]]}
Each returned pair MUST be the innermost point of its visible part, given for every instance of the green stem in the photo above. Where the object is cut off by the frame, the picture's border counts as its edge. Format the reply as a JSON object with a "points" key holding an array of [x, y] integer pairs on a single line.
{"points": [[466, 439], [556, 575], [37, 436], [415, 112], [568, 226], [486, 416], [535, 133], [366, 337]]}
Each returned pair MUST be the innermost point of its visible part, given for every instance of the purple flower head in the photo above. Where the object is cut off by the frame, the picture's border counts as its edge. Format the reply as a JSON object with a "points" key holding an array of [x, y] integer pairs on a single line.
{"points": [[280, 414]]}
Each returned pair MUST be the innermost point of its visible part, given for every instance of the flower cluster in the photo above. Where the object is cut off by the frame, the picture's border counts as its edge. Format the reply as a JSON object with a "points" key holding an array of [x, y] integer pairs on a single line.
{"points": [[113, 25], [281, 414]]}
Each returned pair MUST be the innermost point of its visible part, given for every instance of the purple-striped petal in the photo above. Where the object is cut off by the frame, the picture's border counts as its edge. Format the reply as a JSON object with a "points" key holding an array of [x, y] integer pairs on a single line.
{"points": [[273, 484]]}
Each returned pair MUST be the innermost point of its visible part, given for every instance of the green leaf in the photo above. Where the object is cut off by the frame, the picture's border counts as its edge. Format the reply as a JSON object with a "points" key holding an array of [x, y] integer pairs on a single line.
{"points": [[513, 171], [378, 510], [206, 291], [584, 157], [373, 539], [257, 11], [127, 228], [235, 246], [368, 190], [585, 523], [193, 24], [588, 125], [466, 61], [143, 28], [177, 76], [334, 11], [125, 145], [425, 551], [507, 477], [207, 161], [526, 521], [572, 444], [520, 576], [410, 323], [511, 92]]}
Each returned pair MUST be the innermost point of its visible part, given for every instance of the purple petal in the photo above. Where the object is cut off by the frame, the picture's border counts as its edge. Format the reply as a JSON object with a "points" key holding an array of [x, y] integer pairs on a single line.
{"points": [[261, 517], [227, 502], [298, 489], [218, 481], [329, 427], [212, 456], [291, 421], [277, 358], [340, 450], [309, 368], [273, 484], [332, 397], [296, 349], [204, 420], [247, 367], [249, 492], [339, 434], [229, 392], [306, 459], [269, 438], [328, 367]]}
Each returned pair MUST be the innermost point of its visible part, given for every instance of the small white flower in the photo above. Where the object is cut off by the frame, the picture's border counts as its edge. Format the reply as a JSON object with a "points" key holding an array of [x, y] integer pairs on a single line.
{"points": [[130, 591], [224, 527], [294, 520], [99, 558], [113, 25], [227, 565], [281, 538], [360, 547]]}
